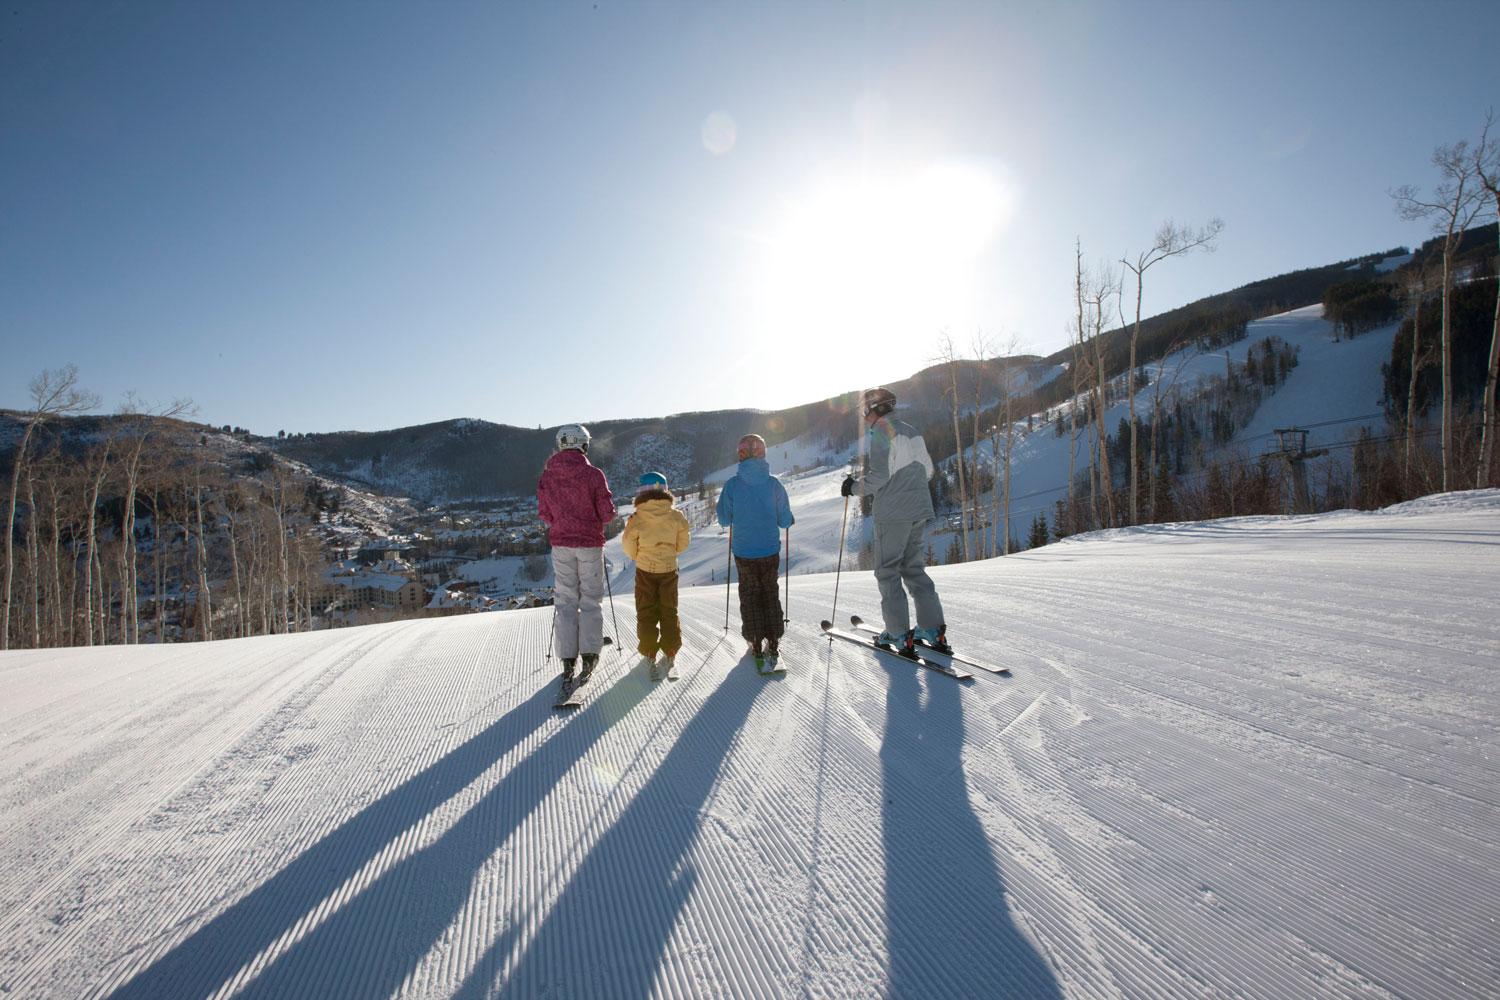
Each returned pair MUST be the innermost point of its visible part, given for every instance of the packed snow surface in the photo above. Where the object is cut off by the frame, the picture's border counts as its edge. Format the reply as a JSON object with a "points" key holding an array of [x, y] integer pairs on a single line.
{"points": [[1242, 758]]}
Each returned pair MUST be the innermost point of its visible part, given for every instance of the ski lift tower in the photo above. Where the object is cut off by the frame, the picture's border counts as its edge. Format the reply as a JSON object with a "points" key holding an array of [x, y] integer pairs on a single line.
{"points": [[1292, 451]]}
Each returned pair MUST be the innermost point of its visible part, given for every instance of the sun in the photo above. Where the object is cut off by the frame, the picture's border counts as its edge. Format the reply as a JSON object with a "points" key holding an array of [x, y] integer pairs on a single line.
{"points": [[879, 260]]}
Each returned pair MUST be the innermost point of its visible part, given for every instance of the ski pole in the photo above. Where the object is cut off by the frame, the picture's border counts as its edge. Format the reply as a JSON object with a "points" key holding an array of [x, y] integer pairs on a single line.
{"points": [[786, 604], [728, 566], [610, 588], [833, 616], [551, 631]]}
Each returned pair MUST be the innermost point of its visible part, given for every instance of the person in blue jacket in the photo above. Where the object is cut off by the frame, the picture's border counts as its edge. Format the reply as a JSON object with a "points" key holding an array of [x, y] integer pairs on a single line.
{"points": [[754, 507]]}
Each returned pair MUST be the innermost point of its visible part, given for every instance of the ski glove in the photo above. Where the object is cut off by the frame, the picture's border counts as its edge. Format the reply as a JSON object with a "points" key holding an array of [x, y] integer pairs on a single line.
{"points": [[847, 490]]}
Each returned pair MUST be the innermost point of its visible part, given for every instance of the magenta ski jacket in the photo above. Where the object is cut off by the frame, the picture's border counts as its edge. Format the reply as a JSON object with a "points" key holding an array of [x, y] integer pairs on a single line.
{"points": [[573, 498]]}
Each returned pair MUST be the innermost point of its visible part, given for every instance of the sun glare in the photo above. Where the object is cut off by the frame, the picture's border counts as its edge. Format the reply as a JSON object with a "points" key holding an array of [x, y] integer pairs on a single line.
{"points": [[886, 259]]}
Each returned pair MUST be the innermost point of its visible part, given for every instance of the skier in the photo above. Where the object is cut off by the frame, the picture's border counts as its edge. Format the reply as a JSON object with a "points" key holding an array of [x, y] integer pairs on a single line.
{"points": [[754, 506], [573, 499], [654, 537], [899, 468]]}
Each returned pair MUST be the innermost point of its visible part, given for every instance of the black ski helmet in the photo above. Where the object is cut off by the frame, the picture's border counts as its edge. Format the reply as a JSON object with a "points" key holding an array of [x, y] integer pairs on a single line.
{"points": [[878, 401]]}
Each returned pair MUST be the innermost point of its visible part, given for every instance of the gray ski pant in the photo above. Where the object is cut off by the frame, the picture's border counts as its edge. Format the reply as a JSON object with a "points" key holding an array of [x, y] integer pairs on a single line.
{"points": [[578, 587], [898, 561]]}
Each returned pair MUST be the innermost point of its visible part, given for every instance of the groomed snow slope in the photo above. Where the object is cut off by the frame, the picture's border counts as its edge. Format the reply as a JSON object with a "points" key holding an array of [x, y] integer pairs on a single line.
{"points": [[1244, 758]]}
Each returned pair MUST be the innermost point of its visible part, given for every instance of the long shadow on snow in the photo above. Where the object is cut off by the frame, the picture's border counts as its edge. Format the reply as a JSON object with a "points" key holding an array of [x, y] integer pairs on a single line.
{"points": [[605, 935], [947, 927], [368, 945]]}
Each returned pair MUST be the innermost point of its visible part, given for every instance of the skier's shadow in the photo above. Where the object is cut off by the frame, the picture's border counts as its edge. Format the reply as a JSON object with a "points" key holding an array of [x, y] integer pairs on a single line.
{"points": [[605, 935], [947, 927], [369, 945]]}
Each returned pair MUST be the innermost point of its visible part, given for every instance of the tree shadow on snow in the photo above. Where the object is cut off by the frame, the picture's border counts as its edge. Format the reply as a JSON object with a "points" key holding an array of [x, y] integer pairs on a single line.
{"points": [[372, 941], [607, 931], [947, 927]]}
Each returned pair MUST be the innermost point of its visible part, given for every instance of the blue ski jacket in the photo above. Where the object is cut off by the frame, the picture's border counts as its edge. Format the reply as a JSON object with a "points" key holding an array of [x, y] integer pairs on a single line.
{"points": [[754, 502]]}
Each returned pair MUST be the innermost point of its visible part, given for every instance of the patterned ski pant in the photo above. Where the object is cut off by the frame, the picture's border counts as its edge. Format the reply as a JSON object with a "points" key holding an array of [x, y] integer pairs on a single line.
{"points": [[656, 622], [760, 600]]}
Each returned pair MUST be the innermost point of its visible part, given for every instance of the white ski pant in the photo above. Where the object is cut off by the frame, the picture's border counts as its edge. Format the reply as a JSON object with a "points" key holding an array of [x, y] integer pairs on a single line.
{"points": [[898, 561], [578, 586]]}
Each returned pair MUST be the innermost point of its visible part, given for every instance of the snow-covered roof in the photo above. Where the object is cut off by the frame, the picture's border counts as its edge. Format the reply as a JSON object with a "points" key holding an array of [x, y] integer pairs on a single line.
{"points": [[379, 581]]}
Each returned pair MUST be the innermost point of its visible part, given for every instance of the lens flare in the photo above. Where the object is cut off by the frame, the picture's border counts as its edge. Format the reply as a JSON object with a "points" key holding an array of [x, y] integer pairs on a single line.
{"points": [[719, 133]]}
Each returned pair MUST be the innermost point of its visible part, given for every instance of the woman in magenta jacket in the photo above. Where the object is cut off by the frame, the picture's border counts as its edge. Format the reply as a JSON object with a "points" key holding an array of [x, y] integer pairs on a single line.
{"points": [[573, 499]]}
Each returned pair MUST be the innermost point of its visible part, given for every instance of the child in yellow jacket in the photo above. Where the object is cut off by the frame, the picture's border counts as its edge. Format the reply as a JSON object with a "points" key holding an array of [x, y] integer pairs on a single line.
{"points": [[654, 536]]}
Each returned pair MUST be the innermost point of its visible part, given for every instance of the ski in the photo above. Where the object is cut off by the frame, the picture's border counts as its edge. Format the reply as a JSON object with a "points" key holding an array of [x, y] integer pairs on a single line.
{"points": [[931, 664], [770, 666], [658, 673], [863, 626], [569, 696]]}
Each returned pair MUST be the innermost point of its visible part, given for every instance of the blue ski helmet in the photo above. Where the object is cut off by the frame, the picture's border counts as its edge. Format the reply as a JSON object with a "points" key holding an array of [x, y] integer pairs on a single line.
{"points": [[654, 480]]}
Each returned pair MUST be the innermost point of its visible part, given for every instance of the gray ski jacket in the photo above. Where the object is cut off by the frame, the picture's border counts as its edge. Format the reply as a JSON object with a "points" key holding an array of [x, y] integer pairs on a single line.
{"points": [[899, 470]]}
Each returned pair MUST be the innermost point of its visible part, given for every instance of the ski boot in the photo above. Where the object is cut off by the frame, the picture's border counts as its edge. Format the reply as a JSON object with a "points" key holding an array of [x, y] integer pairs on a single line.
{"points": [[664, 667], [757, 651], [568, 663], [937, 638], [773, 654], [590, 661], [903, 643], [648, 664]]}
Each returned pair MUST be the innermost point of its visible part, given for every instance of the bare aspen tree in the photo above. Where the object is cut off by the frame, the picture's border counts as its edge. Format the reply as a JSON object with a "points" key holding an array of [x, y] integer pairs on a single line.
{"points": [[1487, 169], [34, 560], [54, 393], [1004, 412], [277, 496], [1096, 297], [1416, 282], [139, 421], [92, 579], [205, 608], [950, 357], [985, 545], [1171, 241], [49, 478], [1080, 384], [158, 564], [232, 503], [1452, 207]]}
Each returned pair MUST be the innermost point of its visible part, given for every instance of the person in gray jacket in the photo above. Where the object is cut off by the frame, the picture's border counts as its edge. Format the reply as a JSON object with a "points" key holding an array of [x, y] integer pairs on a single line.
{"points": [[899, 468]]}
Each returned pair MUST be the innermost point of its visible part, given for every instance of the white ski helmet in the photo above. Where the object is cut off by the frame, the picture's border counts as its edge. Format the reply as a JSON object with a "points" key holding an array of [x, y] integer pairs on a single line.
{"points": [[878, 401], [572, 436]]}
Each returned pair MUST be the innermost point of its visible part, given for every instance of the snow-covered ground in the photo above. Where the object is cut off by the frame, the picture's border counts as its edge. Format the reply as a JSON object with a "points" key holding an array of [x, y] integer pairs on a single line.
{"points": [[1243, 758], [1336, 384]]}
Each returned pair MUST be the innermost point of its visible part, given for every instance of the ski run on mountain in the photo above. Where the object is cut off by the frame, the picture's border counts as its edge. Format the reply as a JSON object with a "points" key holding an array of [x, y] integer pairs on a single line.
{"points": [[1253, 757]]}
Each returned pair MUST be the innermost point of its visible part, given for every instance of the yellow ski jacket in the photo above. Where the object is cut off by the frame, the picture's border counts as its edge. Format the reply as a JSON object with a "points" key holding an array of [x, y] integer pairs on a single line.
{"points": [[655, 533]]}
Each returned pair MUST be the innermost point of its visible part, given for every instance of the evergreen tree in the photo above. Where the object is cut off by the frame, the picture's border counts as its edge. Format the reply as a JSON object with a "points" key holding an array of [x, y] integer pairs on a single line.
{"points": [[1038, 536]]}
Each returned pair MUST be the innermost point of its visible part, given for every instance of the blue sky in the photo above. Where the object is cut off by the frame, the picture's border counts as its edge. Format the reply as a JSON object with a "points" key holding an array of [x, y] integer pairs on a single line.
{"points": [[330, 216]]}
